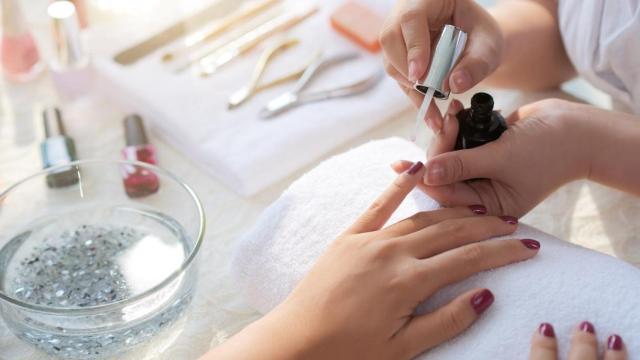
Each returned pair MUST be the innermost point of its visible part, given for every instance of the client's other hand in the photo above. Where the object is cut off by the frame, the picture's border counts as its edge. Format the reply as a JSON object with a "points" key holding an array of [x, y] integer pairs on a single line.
{"points": [[543, 149], [358, 300], [584, 344]]}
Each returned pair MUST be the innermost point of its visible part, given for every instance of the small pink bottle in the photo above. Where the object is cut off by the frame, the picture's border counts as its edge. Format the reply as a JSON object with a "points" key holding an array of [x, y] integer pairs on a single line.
{"points": [[18, 52]]}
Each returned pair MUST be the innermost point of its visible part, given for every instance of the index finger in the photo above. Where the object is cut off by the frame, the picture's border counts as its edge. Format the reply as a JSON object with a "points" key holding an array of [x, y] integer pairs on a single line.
{"points": [[384, 206], [415, 30]]}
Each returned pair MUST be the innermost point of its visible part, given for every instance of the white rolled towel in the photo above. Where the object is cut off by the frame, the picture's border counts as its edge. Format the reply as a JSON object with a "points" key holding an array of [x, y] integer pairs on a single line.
{"points": [[564, 284]]}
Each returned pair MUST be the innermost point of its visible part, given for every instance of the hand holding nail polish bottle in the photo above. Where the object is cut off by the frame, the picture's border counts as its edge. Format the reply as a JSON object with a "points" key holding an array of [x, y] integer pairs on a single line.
{"points": [[138, 181], [479, 124]]}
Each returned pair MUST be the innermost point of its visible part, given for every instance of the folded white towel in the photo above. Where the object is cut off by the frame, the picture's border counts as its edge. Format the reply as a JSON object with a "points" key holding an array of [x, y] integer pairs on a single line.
{"points": [[246, 153], [564, 284]]}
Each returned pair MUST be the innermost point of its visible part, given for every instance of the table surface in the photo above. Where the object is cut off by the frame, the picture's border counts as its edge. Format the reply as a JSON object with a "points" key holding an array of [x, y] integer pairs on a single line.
{"points": [[582, 213]]}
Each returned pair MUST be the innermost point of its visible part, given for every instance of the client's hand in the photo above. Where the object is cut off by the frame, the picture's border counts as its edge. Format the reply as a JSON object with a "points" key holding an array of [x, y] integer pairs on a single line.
{"points": [[544, 148], [584, 344], [358, 300]]}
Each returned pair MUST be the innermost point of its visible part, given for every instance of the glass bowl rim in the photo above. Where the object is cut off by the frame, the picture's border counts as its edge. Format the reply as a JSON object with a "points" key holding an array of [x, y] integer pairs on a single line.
{"points": [[118, 304]]}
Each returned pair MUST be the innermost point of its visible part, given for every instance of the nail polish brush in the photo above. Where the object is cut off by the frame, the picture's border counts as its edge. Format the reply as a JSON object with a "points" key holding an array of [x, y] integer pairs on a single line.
{"points": [[447, 52]]}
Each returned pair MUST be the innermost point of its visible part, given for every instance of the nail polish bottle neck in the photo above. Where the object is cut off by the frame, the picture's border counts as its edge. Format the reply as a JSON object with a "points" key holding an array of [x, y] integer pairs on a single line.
{"points": [[481, 109]]}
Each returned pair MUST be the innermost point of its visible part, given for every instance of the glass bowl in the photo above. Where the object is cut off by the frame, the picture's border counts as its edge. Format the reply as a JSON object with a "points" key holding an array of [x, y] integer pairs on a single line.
{"points": [[97, 257]]}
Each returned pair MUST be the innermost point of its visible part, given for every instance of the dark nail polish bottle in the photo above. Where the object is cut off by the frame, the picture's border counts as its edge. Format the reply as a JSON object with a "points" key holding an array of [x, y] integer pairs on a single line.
{"points": [[479, 124], [138, 181], [57, 149]]}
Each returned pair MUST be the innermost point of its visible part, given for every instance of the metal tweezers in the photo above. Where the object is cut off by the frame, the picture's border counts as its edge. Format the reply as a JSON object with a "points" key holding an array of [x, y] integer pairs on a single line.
{"points": [[297, 96]]}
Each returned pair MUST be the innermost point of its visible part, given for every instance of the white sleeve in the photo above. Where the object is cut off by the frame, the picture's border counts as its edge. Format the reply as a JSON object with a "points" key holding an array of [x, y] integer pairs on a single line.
{"points": [[602, 39]]}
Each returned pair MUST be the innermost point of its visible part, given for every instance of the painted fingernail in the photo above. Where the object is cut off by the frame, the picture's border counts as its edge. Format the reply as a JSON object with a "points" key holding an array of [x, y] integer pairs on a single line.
{"points": [[510, 220], [413, 71], [586, 326], [435, 174], [478, 209], [481, 301], [415, 168], [547, 330], [531, 244], [461, 81], [615, 343]]}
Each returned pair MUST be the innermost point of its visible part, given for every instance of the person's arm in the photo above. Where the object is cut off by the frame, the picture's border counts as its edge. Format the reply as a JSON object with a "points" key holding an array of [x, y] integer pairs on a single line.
{"points": [[548, 144], [533, 55], [615, 149]]}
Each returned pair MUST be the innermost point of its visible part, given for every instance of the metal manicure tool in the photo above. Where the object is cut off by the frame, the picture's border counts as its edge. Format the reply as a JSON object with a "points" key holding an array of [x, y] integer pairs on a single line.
{"points": [[254, 86], [297, 96], [226, 23], [212, 62]]}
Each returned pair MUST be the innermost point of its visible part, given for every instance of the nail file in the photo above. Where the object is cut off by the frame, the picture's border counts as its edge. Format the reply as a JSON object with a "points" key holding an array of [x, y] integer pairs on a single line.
{"points": [[173, 32], [226, 23]]}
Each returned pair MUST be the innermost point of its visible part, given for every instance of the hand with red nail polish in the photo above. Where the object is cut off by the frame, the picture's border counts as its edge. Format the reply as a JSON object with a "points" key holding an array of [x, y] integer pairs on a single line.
{"points": [[584, 344], [548, 144], [358, 301], [412, 29]]}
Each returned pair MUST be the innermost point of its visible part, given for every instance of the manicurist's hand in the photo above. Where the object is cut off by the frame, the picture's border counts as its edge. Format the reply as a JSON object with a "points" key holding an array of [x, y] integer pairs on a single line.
{"points": [[358, 300], [411, 31], [548, 144], [584, 344]]}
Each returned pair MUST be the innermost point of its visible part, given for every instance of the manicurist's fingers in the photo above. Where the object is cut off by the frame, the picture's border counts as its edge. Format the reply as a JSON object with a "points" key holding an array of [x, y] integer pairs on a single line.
{"points": [[455, 166], [615, 349], [482, 53], [543, 343], [424, 219], [427, 331], [395, 50], [397, 76], [415, 31], [383, 207], [457, 194], [454, 233], [460, 263], [584, 345], [478, 61]]}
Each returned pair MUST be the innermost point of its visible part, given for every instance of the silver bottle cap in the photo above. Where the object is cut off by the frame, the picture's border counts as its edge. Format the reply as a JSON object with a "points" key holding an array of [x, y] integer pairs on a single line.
{"points": [[70, 51], [448, 50]]}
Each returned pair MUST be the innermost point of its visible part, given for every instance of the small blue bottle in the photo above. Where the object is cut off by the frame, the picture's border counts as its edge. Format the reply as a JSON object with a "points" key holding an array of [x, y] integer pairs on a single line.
{"points": [[58, 149]]}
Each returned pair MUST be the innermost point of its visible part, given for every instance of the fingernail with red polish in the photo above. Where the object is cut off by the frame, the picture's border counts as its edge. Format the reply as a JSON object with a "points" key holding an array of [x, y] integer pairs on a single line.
{"points": [[531, 244], [615, 343], [478, 209], [586, 326], [509, 219], [547, 330], [481, 301], [415, 168]]}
